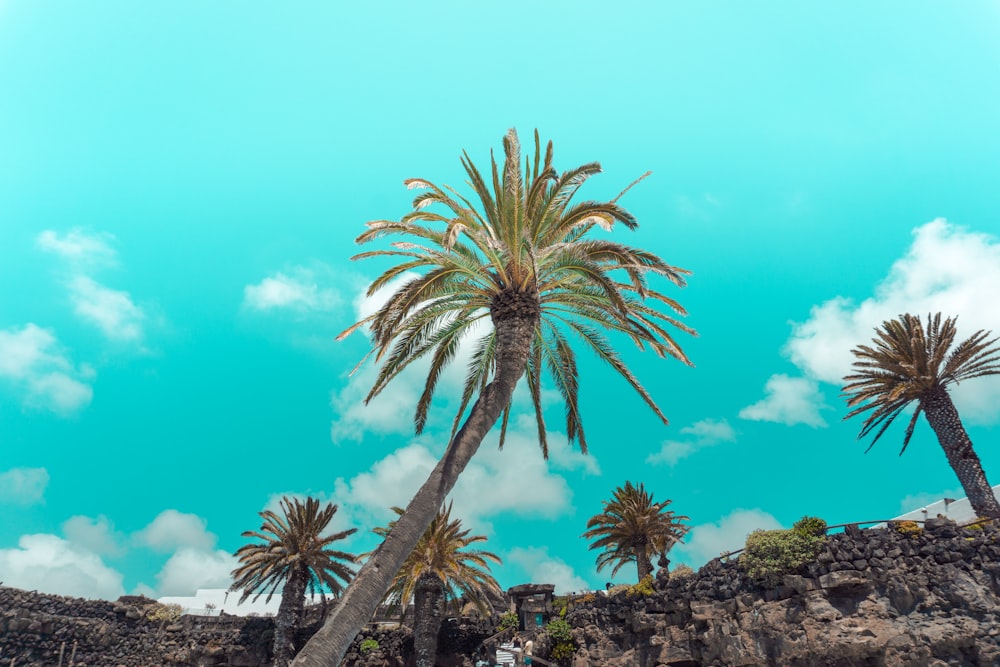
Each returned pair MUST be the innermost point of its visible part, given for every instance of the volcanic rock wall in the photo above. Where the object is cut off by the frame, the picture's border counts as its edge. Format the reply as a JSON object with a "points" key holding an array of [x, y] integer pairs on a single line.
{"points": [[872, 599]]}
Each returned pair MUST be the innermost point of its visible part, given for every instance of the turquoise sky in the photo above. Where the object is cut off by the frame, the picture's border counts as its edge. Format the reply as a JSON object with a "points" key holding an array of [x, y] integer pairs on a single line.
{"points": [[181, 184]]}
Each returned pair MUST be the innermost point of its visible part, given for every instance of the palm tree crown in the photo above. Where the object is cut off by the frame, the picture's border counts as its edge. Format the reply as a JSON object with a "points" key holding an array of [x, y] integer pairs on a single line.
{"points": [[293, 541], [526, 262], [441, 568], [526, 254], [633, 528], [441, 553], [907, 364], [292, 553], [910, 363]]}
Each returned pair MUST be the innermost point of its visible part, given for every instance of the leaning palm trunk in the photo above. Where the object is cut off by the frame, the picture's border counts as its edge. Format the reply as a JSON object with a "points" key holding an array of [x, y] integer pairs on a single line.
{"points": [[329, 645], [427, 601], [957, 446], [289, 618]]}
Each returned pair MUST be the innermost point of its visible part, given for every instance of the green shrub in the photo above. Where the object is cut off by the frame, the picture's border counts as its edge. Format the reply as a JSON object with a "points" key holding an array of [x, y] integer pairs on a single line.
{"points": [[508, 621], [909, 528], [367, 645], [681, 572], [810, 525], [559, 630], [561, 636], [562, 651], [560, 603], [771, 554], [643, 588], [163, 613]]}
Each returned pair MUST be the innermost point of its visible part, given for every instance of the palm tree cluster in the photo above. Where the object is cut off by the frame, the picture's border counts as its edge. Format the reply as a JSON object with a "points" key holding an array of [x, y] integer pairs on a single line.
{"points": [[521, 275]]}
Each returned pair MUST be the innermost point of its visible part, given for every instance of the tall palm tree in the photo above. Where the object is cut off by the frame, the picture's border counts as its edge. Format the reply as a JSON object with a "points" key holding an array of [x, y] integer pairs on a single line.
{"points": [[633, 528], [526, 262], [437, 570], [293, 553], [910, 364]]}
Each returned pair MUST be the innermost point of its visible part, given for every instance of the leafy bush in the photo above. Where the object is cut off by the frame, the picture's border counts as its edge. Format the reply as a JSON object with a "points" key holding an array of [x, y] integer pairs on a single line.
{"points": [[681, 572], [561, 636], [771, 554], [561, 651], [909, 528], [643, 588], [559, 631], [810, 525], [560, 603], [163, 613], [368, 644], [508, 621]]}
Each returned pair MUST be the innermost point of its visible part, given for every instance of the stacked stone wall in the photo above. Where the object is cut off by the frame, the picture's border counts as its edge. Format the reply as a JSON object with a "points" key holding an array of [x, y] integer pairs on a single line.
{"points": [[879, 598], [874, 598]]}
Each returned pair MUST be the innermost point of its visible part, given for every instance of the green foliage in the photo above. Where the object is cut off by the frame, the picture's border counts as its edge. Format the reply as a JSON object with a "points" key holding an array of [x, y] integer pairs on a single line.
{"points": [[909, 528], [368, 645], [559, 631], [560, 604], [562, 651], [508, 621], [810, 525], [771, 554], [643, 588], [561, 635], [163, 613]]}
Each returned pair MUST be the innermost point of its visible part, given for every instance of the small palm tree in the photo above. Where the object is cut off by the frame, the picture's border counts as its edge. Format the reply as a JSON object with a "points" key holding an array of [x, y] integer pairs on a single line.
{"points": [[633, 528], [910, 364], [528, 264], [294, 554], [439, 569]]}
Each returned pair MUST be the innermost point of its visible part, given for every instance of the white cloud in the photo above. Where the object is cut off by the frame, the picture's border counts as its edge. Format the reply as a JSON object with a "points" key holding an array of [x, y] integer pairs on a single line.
{"points": [[947, 269], [545, 569], [144, 589], [789, 401], [50, 564], [96, 535], [23, 486], [516, 480], [112, 311], [33, 364], [299, 291], [172, 530], [391, 481], [81, 248], [191, 568], [705, 433], [709, 540], [391, 412]]}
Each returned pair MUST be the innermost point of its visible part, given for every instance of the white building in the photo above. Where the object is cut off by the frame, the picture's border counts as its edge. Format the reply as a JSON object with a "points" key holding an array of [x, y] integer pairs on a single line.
{"points": [[213, 601], [958, 510]]}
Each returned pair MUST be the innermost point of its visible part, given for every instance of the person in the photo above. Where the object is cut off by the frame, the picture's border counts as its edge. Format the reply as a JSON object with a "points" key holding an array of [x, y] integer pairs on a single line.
{"points": [[529, 647], [518, 650]]}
